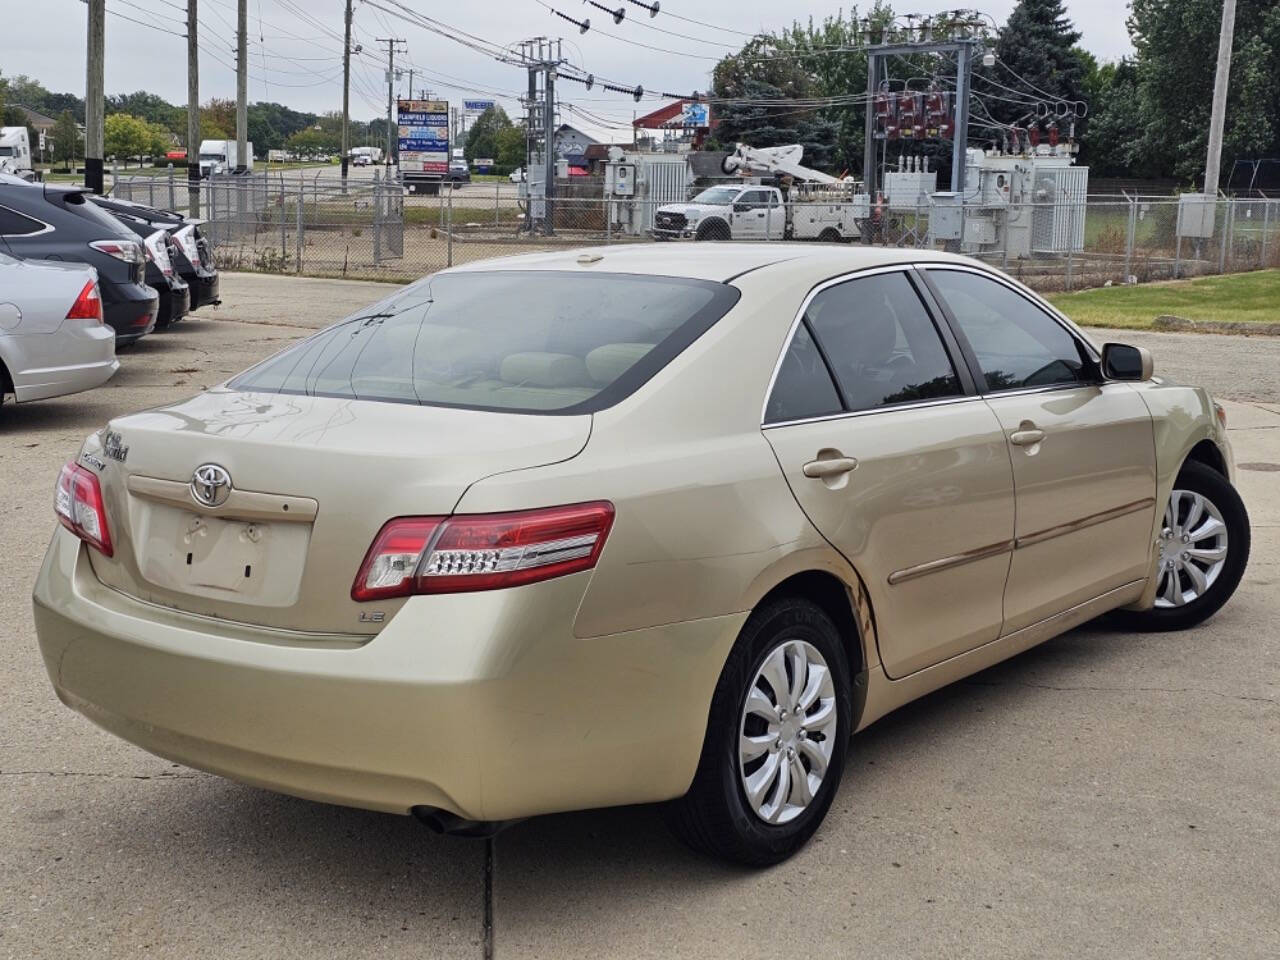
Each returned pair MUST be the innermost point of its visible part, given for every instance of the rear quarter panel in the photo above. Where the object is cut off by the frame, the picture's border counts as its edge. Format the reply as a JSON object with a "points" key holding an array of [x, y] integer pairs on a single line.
{"points": [[705, 522]]}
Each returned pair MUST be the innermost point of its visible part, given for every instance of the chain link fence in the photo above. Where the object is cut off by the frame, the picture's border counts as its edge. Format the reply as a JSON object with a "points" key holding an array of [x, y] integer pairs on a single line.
{"points": [[312, 223]]}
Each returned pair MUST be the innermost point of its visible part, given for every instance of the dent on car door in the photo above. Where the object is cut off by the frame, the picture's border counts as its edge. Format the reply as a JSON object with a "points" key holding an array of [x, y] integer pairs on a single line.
{"points": [[1082, 450], [899, 464]]}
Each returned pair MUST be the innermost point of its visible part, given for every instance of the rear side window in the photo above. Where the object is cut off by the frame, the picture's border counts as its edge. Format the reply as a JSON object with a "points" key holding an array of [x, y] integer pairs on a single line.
{"points": [[14, 224], [881, 342], [803, 388], [1017, 344], [519, 341]]}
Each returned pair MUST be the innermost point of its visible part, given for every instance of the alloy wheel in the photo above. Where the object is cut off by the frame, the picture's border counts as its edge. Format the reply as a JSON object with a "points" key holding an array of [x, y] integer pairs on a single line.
{"points": [[1193, 548], [786, 736]]}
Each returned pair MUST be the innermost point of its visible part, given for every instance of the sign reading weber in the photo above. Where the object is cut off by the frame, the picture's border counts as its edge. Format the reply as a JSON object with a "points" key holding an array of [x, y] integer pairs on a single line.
{"points": [[423, 142]]}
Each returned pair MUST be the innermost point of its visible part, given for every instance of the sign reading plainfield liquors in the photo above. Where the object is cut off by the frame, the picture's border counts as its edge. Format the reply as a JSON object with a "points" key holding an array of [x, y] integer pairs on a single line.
{"points": [[423, 136]]}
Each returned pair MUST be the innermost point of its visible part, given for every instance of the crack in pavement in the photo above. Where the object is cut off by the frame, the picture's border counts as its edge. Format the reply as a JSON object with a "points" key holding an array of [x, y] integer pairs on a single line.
{"points": [[1100, 689], [110, 776]]}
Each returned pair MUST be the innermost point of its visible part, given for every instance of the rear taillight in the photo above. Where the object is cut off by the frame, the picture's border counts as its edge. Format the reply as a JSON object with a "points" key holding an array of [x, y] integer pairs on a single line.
{"points": [[125, 250], [88, 305], [157, 248], [186, 240], [482, 551], [77, 500]]}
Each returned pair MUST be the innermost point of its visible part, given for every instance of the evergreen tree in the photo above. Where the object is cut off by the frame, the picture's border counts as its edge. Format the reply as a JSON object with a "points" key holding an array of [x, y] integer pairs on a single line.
{"points": [[1036, 56]]}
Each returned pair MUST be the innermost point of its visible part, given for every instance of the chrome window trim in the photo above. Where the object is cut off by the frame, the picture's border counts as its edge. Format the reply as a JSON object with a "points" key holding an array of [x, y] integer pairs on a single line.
{"points": [[47, 227], [903, 268], [887, 408]]}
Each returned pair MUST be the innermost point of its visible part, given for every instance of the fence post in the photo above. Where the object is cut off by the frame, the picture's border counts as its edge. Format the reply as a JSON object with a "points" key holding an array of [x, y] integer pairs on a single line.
{"points": [[1266, 218], [450, 228], [297, 240], [1130, 236], [377, 217], [1070, 262], [172, 199], [497, 196], [1222, 244]]}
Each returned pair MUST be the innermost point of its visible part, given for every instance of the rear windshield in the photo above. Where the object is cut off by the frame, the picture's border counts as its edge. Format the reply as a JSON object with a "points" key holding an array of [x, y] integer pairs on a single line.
{"points": [[518, 341]]}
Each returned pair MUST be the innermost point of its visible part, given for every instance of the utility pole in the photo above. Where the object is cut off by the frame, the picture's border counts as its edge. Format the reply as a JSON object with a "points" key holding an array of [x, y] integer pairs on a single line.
{"points": [[391, 79], [540, 56], [410, 83], [549, 134], [346, 97], [1218, 118], [93, 135], [242, 84], [193, 114]]}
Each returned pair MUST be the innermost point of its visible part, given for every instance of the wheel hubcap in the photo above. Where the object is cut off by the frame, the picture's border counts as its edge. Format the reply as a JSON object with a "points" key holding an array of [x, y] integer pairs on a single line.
{"points": [[1193, 548], [787, 733]]}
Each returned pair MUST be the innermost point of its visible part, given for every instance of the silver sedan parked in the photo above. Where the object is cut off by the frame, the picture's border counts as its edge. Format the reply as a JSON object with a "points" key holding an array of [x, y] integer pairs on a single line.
{"points": [[52, 337]]}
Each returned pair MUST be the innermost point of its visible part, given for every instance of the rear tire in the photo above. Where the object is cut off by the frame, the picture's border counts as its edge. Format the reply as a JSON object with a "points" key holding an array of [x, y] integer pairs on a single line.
{"points": [[790, 750], [830, 235], [1207, 539]]}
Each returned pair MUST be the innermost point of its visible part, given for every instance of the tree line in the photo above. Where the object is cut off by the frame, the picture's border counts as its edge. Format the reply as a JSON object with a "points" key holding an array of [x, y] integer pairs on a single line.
{"points": [[1147, 115], [145, 124]]}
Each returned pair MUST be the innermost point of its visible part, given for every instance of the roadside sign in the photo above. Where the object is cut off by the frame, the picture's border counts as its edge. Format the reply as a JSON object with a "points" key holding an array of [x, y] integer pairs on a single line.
{"points": [[423, 136], [476, 106]]}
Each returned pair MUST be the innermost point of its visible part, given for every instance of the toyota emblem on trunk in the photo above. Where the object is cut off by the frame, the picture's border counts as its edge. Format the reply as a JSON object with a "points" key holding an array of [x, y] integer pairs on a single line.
{"points": [[211, 485]]}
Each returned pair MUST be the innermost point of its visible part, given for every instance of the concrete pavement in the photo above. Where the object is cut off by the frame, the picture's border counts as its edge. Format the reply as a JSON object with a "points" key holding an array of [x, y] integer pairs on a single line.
{"points": [[1104, 795]]}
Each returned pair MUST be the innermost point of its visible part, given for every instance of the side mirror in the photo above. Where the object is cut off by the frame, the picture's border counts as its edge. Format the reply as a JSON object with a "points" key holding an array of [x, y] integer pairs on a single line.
{"points": [[741, 207], [1123, 362]]}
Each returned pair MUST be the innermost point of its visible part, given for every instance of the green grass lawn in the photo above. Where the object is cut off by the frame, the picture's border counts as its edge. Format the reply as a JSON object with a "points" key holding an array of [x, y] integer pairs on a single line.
{"points": [[1244, 297]]}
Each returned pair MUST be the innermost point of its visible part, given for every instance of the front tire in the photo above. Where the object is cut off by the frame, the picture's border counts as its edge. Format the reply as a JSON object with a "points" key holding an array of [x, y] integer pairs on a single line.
{"points": [[716, 230], [1204, 547], [777, 737]]}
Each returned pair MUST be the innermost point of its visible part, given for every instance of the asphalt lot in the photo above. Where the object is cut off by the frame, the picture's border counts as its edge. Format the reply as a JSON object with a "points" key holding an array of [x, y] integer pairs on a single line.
{"points": [[1104, 795]]}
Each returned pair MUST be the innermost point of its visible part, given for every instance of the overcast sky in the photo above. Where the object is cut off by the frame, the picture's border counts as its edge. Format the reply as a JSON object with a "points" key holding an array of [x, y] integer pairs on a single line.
{"points": [[295, 47]]}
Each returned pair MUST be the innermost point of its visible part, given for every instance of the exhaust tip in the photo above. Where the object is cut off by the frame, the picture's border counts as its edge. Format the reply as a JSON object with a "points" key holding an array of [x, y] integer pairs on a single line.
{"points": [[450, 824]]}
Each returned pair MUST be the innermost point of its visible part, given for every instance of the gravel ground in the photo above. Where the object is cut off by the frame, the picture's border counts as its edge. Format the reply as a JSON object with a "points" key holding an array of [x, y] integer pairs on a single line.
{"points": [[1104, 795]]}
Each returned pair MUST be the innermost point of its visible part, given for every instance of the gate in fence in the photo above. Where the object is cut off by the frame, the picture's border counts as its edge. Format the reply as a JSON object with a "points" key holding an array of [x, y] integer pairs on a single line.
{"points": [[388, 219]]}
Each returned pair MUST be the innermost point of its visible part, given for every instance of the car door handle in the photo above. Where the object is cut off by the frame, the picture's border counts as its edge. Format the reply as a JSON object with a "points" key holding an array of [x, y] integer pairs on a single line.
{"points": [[819, 469], [1026, 438]]}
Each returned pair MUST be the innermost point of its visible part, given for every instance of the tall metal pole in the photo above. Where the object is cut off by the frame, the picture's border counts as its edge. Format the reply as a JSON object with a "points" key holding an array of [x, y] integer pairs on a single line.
{"points": [[549, 127], [869, 128], [193, 113], [346, 98], [242, 83], [1219, 115], [93, 106], [964, 59], [530, 141], [391, 79]]}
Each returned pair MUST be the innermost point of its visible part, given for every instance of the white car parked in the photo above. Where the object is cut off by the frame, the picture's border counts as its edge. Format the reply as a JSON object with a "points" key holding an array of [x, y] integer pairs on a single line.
{"points": [[52, 338]]}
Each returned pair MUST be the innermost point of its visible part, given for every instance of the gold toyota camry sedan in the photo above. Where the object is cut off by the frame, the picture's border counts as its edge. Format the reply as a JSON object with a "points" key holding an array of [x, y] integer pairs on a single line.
{"points": [[621, 525]]}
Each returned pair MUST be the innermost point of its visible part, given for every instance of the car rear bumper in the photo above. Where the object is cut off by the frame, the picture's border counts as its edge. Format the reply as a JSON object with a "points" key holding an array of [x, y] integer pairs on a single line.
{"points": [[79, 356], [204, 289], [175, 303], [484, 705], [130, 309]]}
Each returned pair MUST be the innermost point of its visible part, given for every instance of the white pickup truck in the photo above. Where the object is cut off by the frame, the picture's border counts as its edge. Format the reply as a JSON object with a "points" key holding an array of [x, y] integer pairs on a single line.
{"points": [[826, 212], [724, 213]]}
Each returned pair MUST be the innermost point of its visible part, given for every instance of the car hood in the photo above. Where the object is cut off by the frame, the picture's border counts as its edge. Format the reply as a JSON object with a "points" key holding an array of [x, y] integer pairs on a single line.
{"points": [[690, 210]]}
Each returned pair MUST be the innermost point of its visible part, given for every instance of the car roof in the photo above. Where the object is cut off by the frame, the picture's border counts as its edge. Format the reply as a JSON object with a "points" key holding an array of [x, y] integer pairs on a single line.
{"points": [[721, 262]]}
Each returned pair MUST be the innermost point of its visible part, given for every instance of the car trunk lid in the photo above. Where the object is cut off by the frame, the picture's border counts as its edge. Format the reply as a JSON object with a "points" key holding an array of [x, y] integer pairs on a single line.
{"points": [[292, 492]]}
